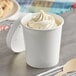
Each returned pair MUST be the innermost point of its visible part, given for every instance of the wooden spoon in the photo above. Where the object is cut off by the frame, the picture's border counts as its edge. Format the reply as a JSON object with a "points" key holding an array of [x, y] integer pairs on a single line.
{"points": [[70, 66]]}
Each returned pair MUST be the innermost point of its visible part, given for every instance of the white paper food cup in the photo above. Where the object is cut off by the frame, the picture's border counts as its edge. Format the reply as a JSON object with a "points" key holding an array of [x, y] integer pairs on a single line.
{"points": [[42, 46]]}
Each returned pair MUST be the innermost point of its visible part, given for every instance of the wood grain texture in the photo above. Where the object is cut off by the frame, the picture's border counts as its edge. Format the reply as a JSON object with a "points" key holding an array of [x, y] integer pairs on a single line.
{"points": [[12, 64]]}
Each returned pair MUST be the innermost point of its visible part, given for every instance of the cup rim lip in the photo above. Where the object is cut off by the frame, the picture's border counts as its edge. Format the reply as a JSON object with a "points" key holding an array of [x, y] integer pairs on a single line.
{"points": [[62, 23]]}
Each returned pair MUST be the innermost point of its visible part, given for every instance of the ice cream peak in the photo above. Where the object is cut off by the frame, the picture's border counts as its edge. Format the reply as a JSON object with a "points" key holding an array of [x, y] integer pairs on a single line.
{"points": [[42, 21]]}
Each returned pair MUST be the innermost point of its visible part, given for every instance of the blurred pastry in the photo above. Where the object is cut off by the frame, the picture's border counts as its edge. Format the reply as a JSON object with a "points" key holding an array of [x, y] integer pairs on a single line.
{"points": [[6, 6], [38, 5], [43, 3], [1, 12]]}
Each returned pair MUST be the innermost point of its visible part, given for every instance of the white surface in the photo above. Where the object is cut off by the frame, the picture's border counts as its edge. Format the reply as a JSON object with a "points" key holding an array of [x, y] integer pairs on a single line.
{"points": [[42, 46]]}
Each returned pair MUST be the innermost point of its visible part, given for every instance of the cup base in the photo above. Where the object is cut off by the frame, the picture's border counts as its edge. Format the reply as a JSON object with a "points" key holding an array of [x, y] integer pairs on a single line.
{"points": [[42, 67]]}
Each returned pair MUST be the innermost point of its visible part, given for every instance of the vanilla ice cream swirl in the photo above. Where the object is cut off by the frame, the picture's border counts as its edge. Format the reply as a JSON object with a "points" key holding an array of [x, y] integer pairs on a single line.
{"points": [[42, 21]]}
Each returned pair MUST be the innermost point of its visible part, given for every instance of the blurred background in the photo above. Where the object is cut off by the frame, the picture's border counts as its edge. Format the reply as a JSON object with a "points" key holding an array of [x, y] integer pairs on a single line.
{"points": [[50, 6]]}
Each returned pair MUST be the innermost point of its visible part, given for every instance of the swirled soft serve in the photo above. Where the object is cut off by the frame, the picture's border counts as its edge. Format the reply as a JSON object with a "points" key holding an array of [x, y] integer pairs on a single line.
{"points": [[42, 21]]}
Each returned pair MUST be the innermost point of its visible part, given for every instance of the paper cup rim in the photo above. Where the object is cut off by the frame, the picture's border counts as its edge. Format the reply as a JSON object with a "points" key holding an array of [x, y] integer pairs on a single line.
{"points": [[62, 23]]}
